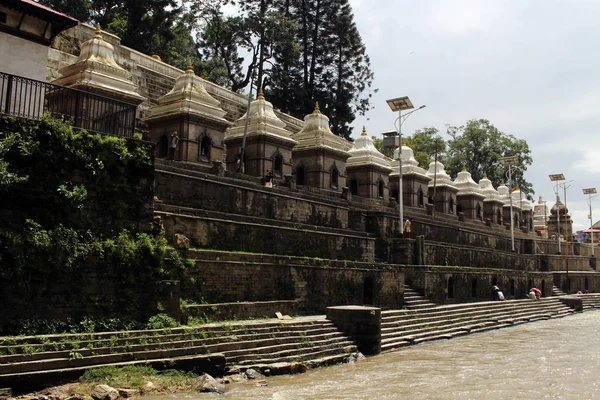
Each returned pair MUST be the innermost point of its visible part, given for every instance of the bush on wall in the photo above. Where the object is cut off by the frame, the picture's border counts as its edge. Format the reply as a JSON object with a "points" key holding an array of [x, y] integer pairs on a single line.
{"points": [[71, 246], [53, 174]]}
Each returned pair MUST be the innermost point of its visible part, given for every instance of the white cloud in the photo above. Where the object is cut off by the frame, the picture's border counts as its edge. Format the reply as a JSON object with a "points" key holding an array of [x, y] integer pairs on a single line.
{"points": [[527, 66], [459, 17]]}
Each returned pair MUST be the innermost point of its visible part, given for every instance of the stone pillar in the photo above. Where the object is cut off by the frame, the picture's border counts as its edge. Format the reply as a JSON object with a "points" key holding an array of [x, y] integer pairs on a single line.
{"points": [[362, 324], [168, 294], [401, 251]]}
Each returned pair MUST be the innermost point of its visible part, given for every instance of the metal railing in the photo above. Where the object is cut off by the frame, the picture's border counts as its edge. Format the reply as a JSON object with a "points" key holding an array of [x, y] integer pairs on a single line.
{"points": [[28, 98]]}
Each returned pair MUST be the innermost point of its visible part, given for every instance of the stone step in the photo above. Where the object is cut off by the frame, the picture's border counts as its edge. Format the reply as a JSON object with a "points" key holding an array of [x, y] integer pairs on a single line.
{"points": [[454, 331], [396, 342], [212, 345], [317, 353], [151, 336], [557, 292], [460, 318], [414, 300], [441, 313], [281, 368], [417, 300], [291, 349], [314, 341], [418, 306], [332, 240], [74, 362], [213, 364], [470, 306], [458, 322], [258, 345]]}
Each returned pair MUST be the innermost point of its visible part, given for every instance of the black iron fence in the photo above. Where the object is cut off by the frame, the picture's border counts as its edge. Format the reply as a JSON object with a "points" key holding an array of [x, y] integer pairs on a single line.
{"points": [[28, 98]]}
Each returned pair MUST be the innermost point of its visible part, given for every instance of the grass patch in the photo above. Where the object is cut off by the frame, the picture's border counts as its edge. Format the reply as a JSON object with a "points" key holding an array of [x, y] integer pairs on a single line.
{"points": [[136, 377]]}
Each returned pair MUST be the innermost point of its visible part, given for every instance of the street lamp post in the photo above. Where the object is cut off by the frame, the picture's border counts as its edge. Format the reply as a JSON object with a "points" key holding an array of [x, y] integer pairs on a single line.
{"points": [[590, 192], [565, 187], [556, 178], [510, 161], [399, 104], [243, 148]]}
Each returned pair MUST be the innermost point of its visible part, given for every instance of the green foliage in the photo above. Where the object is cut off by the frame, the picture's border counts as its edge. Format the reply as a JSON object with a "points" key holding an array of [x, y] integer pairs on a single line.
{"points": [[70, 210], [299, 52], [426, 143], [378, 143], [79, 9], [332, 66], [54, 174], [478, 146], [88, 324], [161, 321], [136, 376]]}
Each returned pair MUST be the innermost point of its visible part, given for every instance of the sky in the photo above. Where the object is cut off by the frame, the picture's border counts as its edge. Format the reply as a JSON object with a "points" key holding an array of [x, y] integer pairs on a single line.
{"points": [[529, 67]]}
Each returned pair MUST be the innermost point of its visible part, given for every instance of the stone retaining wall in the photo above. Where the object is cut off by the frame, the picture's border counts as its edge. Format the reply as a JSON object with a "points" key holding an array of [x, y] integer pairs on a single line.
{"points": [[450, 285], [230, 196], [472, 256], [315, 284], [257, 236], [241, 310]]}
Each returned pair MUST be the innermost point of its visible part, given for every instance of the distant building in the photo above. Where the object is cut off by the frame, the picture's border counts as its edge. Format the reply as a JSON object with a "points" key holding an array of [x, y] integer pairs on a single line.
{"points": [[540, 216]]}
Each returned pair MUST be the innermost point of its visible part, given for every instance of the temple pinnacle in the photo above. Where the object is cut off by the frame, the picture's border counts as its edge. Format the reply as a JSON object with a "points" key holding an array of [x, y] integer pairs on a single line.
{"points": [[317, 110]]}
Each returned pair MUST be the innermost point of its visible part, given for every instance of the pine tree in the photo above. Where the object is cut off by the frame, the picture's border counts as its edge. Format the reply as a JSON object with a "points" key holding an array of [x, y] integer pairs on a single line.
{"points": [[332, 68]]}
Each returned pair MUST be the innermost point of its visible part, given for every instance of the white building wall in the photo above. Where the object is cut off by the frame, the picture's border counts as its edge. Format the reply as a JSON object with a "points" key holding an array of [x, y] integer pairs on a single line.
{"points": [[23, 57]]}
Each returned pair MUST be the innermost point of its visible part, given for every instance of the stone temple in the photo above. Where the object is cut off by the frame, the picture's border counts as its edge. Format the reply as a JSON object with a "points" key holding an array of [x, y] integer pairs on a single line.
{"points": [[328, 232]]}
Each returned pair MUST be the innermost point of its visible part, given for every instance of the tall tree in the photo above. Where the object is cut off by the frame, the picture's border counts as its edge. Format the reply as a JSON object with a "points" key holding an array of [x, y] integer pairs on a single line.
{"points": [[260, 29], [348, 74], [426, 143], [220, 40], [478, 146], [331, 67], [141, 24]]}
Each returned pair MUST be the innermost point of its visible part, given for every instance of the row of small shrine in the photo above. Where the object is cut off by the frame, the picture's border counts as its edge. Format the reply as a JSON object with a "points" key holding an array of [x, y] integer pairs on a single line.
{"points": [[313, 156]]}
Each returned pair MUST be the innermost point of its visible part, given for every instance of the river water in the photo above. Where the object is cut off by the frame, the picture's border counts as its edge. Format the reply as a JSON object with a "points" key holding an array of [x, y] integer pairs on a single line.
{"points": [[555, 359]]}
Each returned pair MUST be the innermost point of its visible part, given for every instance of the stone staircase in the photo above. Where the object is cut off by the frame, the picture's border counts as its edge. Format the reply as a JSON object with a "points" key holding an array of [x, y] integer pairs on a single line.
{"points": [[27, 361], [413, 300], [557, 292], [401, 328], [590, 301]]}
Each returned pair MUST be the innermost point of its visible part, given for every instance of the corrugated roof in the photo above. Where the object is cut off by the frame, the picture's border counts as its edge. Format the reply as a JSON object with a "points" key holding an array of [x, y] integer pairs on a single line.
{"points": [[48, 9]]}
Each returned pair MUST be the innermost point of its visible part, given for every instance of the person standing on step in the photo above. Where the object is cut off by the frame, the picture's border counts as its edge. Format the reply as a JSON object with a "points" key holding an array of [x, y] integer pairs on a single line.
{"points": [[173, 143], [407, 229], [269, 179]]}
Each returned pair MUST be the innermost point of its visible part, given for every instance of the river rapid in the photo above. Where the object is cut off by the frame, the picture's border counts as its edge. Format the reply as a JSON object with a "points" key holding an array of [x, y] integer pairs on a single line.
{"points": [[555, 359]]}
